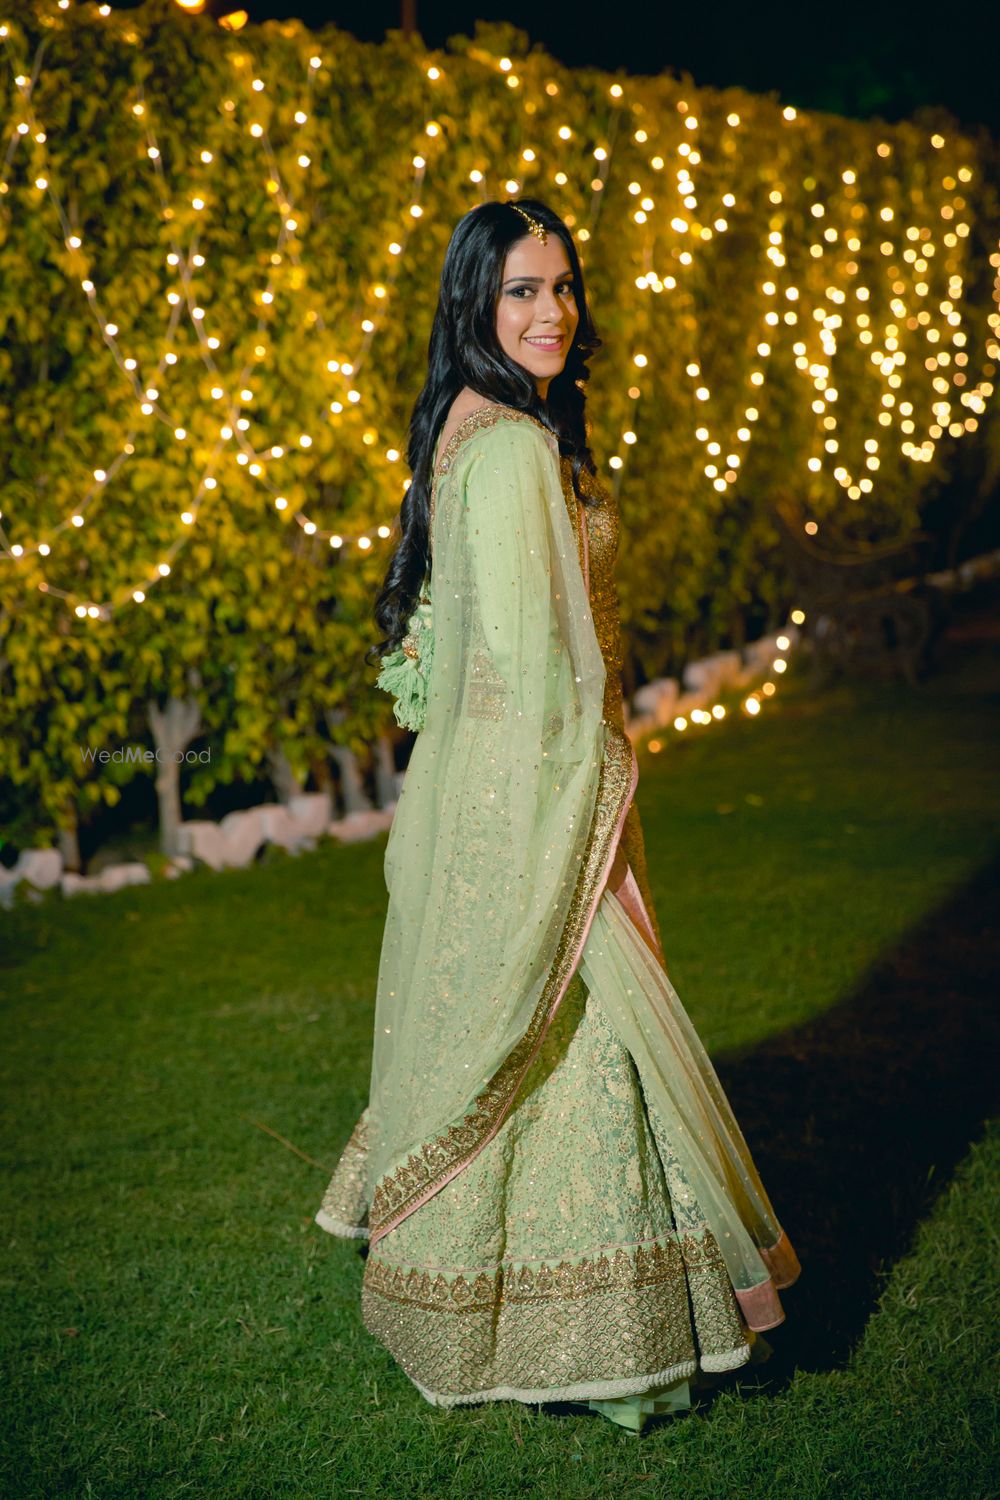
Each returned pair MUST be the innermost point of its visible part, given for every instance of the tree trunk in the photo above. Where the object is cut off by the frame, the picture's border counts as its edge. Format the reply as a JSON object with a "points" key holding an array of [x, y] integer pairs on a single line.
{"points": [[353, 796], [325, 780], [286, 783], [69, 844], [385, 771], [173, 730], [352, 789]]}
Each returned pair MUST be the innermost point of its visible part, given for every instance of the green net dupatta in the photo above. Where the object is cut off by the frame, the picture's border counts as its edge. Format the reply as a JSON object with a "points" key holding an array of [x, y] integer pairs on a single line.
{"points": [[498, 856], [505, 828], [682, 1086]]}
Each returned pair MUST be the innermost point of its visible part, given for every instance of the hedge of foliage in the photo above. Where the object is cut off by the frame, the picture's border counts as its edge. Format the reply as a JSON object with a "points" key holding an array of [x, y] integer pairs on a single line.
{"points": [[219, 257]]}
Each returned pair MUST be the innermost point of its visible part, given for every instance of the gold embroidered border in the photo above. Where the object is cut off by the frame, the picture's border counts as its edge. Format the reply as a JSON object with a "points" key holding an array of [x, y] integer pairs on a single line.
{"points": [[485, 417], [345, 1199], [607, 1317], [640, 1265], [396, 1194], [573, 511], [480, 420]]}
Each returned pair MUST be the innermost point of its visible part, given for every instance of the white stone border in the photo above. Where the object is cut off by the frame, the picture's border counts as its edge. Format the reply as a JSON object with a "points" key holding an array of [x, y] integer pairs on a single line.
{"points": [[296, 826], [231, 844]]}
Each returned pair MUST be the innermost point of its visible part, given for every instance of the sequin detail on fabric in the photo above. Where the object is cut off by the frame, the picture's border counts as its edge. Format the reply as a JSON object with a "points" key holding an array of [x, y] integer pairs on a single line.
{"points": [[344, 1209], [481, 420], [555, 1258], [399, 1192], [548, 1244], [607, 1321]]}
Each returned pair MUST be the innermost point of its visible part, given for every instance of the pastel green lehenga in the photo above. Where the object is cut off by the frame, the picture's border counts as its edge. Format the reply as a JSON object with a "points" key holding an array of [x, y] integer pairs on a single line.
{"points": [[558, 1202]]}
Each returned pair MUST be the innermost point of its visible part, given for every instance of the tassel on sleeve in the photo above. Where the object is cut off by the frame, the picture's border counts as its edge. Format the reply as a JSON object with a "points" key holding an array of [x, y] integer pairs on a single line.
{"points": [[406, 671]]}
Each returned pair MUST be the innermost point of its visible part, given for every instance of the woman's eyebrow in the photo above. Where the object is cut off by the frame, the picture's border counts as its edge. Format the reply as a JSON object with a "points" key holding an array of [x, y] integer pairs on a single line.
{"points": [[566, 275]]}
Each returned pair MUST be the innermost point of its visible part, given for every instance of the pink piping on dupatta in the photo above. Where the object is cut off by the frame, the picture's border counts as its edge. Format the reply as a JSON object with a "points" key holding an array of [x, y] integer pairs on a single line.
{"points": [[760, 1304], [782, 1261], [630, 898]]}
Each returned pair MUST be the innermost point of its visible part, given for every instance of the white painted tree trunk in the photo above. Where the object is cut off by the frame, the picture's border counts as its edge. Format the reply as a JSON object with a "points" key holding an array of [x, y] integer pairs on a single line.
{"points": [[69, 846], [325, 781], [284, 779], [353, 796], [173, 730]]}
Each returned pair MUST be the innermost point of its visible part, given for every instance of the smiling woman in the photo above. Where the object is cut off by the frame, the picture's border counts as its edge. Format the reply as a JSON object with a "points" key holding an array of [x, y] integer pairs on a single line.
{"points": [[558, 1202], [536, 315]]}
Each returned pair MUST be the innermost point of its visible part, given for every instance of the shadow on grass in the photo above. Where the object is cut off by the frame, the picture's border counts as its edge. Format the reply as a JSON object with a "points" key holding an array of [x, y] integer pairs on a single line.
{"points": [[857, 1120]]}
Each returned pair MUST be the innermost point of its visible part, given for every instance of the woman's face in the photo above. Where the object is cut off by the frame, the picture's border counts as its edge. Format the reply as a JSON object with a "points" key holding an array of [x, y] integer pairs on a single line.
{"points": [[536, 312]]}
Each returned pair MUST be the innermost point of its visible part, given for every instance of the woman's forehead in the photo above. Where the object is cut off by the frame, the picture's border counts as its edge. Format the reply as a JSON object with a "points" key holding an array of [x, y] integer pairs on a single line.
{"points": [[527, 257]]}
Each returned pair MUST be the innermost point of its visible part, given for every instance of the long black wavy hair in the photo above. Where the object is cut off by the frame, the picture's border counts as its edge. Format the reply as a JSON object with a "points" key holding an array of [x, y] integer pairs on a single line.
{"points": [[464, 351]]}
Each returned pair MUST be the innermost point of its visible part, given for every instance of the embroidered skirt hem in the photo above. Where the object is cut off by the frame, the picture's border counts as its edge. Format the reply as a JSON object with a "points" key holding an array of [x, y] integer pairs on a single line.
{"points": [[569, 1260], [582, 1391]]}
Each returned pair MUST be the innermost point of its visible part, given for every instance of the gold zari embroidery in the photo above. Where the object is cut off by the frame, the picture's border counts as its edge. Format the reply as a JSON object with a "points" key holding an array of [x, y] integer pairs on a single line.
{"points": [[488, 695], [345, 1202], [480, 420], [537, 1329], [625, 1314], [638, 1266]]}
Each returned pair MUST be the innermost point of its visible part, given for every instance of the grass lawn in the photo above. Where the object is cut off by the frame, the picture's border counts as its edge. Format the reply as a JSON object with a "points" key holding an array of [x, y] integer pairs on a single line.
{"points": [[174, 1322]]}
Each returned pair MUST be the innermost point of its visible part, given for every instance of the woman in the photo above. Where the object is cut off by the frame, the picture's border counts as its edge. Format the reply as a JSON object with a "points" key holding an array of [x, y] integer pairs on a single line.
{"points": [[558, 1202]]}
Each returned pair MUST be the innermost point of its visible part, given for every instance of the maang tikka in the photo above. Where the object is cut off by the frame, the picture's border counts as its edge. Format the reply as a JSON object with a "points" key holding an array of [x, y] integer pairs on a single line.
{"points": [[538, 230]]}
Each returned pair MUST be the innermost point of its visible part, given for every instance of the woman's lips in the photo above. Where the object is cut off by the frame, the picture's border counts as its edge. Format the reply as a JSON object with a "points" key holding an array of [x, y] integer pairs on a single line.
{"points": [[546, 342]]}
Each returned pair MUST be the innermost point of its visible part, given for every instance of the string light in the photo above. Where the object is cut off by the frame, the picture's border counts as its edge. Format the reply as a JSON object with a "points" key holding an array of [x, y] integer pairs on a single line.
{"points": [[148, 400], [751, 705], [856, 486], [876, 278]]}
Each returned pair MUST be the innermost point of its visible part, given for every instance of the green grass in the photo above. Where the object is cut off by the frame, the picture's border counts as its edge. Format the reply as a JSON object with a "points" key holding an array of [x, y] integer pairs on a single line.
{"points": [[175, 1324]]}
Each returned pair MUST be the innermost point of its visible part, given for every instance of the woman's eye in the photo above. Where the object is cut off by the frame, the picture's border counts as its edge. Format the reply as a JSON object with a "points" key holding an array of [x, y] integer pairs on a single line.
{"points": [[563, 287]]}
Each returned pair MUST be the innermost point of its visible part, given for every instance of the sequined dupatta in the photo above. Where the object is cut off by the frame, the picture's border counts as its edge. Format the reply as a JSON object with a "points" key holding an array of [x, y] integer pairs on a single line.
{"points": [[513, 804], [504, 834]]}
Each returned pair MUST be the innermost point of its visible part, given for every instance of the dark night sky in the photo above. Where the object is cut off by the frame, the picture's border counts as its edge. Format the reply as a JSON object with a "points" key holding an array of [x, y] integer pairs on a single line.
{"points": [[863, 59]]}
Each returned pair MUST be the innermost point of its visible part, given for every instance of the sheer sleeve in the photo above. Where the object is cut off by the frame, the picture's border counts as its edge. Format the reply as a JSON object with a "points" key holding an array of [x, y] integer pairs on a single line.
{"points": [[540, 667]]}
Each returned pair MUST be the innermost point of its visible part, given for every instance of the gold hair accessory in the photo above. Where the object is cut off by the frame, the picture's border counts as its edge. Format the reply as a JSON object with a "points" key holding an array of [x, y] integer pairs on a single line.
{"points": [[538, 230]]}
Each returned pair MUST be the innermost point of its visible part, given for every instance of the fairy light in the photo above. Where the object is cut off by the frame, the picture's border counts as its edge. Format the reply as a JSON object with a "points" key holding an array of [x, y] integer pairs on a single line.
{"points": [[751, 704], [690, 223], [888, 343], [148, 406], [673, 224]]}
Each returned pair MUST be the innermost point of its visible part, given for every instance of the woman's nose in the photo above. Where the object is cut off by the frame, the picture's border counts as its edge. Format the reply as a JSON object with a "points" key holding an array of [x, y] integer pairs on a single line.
{"points": [[550, 309]]}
